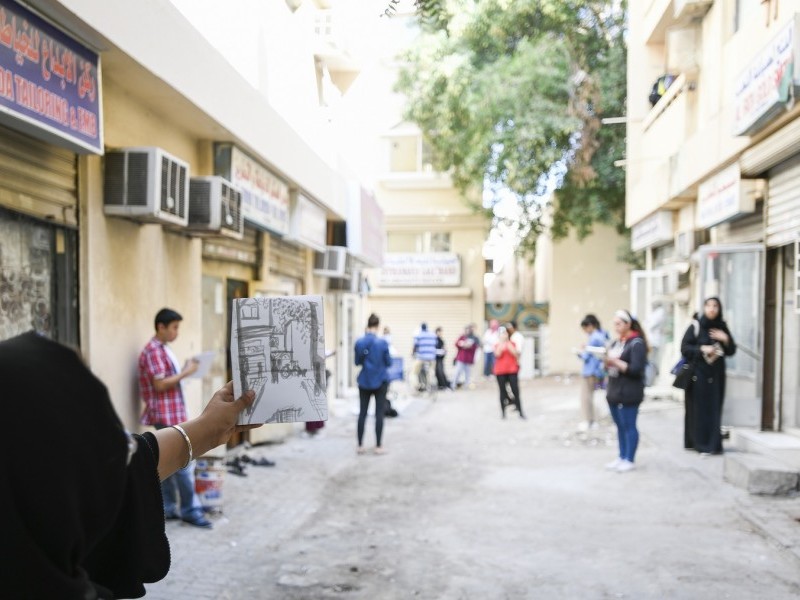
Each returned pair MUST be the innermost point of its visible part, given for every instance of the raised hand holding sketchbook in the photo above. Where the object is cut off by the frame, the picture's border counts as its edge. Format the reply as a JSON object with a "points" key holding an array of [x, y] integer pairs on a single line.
{"points": [[278, 351]]}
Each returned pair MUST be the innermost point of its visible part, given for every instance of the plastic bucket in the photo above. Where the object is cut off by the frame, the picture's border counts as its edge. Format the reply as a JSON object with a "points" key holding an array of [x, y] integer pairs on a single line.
{"points": [[209, 475]]}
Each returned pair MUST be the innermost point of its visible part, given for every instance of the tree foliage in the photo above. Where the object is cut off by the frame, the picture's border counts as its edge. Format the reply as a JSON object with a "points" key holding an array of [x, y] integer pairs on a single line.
{"points": [[510, 95]]}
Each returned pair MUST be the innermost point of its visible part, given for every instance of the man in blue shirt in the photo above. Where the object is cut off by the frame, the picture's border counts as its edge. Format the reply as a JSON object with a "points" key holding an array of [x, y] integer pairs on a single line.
{"points": [[425, 354], [372, 355]]}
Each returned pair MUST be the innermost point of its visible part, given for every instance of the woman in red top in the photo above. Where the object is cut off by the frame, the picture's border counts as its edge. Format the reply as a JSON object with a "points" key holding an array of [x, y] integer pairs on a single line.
{"points": [[506, 367]]}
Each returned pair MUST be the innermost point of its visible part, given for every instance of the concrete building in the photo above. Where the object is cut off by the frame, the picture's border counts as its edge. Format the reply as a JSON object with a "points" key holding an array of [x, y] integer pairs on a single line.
{"points": [[569, 279], [712, 185], [433, 267], [99, 98]]}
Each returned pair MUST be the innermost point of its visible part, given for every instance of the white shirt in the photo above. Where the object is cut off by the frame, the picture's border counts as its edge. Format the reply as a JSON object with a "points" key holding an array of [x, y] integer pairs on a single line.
{"points": [[490, 340], [519, 341]]}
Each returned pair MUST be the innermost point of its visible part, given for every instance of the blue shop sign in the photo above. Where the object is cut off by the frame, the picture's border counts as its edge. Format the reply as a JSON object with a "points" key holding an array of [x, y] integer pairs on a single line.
{"points": [[49, 83]]}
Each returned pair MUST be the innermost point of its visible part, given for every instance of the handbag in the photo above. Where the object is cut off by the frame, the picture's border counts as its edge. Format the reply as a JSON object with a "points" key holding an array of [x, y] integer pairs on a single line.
{"points": [[683, 378]]}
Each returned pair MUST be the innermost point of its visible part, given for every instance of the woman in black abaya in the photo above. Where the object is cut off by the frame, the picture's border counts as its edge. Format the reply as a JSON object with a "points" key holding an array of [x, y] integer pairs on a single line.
{"points": [[706, 351], [80, 497]]}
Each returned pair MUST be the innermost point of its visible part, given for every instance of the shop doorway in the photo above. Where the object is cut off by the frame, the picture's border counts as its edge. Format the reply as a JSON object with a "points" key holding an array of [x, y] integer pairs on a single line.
{"points": [[38, 278], [735, 274]]}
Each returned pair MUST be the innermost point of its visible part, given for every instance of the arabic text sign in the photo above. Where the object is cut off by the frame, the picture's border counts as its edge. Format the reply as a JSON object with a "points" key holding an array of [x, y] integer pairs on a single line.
{"points": [[764, 87], [430, 269], [265, 198], [48, 80]]}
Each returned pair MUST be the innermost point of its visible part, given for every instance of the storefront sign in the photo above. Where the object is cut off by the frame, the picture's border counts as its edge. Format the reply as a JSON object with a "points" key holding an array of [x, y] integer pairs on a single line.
{"points": [[366, 234], [766, 85], [308, 223], [265, 198], [49, 83], [655, 230], [720, 198], [402, 269]]}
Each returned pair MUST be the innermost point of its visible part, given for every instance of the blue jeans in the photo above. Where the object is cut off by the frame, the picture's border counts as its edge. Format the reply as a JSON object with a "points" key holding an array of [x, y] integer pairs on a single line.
{"points": [[488, 363], [182, 482], [464, 369], [625, 420]]}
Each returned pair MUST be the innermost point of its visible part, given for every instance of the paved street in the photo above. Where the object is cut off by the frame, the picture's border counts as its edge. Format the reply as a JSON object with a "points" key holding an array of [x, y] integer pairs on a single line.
{"points": [[468, 506]]}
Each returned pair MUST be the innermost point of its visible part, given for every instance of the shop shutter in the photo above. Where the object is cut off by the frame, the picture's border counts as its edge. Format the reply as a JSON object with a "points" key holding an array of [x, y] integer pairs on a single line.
{"points": [[747, 230], [286, 259], [769, 152], [782, 208], [243, 251], [37, 178], [403, 315]]}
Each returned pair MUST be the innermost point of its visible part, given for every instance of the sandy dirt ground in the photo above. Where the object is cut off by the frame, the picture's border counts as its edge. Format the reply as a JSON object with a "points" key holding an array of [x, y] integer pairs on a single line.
{"points": [[466, 505]]}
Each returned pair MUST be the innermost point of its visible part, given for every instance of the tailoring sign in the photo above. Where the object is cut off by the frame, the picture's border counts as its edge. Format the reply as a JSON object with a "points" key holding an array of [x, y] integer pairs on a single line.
{"points": [[265, 198], [655, 230], [767, 85], [49, 83], [431, 269], [721, 198]]}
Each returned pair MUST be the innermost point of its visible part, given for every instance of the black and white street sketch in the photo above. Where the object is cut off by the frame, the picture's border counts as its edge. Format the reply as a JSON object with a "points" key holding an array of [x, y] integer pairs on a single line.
{"points": [[278, 350]]}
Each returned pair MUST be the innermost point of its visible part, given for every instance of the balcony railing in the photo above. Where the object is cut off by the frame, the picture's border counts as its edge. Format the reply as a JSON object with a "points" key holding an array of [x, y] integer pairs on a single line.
{"points": [[678, 86]]}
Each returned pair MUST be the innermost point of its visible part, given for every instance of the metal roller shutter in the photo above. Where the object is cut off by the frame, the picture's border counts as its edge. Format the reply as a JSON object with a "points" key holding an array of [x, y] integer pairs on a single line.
{"points": [[286, 259], [403, 316], [782, 208], [243, 251], [37, 178]]}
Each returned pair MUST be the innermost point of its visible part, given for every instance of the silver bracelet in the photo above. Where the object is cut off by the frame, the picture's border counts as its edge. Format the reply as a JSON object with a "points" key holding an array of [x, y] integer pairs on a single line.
{"points": [[188, 444]]}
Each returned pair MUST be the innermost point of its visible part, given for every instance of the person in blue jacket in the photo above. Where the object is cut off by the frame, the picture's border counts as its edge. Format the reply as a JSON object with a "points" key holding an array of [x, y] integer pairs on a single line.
{"points": [[625, 362], [593, 371], [372, 355]]}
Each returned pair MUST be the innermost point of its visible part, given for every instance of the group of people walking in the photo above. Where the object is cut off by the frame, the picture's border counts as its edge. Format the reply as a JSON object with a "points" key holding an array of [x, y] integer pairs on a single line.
{"points": [[623, 361]]}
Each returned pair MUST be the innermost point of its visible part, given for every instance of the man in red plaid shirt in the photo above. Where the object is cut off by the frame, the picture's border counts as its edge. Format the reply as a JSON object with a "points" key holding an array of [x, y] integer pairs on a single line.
{"points": [[160, 380]]}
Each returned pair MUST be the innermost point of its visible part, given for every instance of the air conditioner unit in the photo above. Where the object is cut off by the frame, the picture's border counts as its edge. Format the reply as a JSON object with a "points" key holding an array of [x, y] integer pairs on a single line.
{"points": [[146, 184], [689, 10], [682, 50], [331, 263], [354, 283], [686, 242], [215, 208]]}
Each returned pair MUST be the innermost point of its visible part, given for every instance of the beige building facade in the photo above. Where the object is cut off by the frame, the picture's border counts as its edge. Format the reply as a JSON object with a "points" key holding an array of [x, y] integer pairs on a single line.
{"points": [[101, 273], [712, 185], [579, 277]]}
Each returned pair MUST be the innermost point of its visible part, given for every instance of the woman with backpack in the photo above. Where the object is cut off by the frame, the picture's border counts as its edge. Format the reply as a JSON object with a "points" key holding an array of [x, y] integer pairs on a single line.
{"points": [[705, 348], [625, 362]]}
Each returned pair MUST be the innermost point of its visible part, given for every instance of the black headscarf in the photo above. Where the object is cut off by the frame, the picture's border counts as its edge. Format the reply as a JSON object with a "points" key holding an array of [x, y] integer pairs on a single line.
{"points": [[77, 522], [718, 322]]}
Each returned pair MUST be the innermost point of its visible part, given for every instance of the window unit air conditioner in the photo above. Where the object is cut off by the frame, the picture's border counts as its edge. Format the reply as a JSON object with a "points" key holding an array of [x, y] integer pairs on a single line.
{"points": [[686, 242], [689, 10], [331, 263], [215, 208], [146, 184]]}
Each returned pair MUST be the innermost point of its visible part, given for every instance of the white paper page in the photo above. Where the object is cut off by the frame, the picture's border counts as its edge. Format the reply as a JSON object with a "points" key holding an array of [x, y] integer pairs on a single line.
{"points": [[278, 351], [205, 359]]}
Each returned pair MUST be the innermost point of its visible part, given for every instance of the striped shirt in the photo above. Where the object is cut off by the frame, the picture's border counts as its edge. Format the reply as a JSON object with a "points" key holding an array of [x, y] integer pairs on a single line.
{"points": [[162, 408], [425, 345]]}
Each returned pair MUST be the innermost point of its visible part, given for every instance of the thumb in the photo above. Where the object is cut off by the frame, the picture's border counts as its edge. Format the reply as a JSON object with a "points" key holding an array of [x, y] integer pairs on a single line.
{"points": [[245, 400]]}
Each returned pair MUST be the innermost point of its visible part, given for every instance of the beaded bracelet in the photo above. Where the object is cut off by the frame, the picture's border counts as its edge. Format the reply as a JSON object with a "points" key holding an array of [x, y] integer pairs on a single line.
{"points": [[188, 444]]}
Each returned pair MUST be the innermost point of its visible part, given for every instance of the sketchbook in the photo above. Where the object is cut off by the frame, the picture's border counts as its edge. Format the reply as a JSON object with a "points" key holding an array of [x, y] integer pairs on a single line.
{"points": [[598, 351], [278, 351], [204, 360]]}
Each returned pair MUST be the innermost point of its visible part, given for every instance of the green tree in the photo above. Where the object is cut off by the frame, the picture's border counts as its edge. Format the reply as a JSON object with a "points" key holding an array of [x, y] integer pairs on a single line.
{"points": [[510, 95]]}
